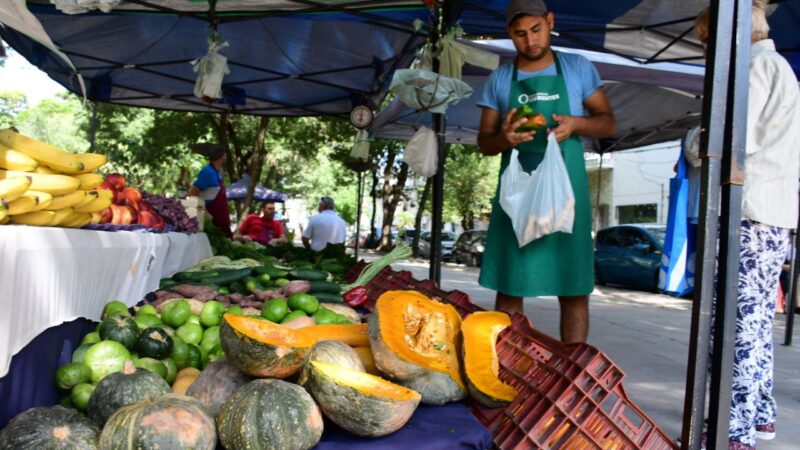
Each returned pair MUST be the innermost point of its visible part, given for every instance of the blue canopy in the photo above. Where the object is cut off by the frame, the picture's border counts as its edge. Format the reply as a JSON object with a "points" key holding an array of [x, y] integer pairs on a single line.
{"points": [[238, 191]]}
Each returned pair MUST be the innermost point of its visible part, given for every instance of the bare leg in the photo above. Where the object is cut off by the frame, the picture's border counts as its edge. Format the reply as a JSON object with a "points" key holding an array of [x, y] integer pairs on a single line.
{"points": [[574, 318], [508, 303]]}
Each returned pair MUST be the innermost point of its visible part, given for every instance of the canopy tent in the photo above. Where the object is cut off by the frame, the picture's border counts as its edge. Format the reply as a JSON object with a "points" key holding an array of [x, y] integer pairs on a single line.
{"points": [[641, 30], [297, 60], [238, 190], [652, 103]]}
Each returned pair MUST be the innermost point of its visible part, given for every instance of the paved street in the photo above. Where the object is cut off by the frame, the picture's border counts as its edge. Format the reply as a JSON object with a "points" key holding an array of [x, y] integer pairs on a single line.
{"points": [[647, 335]]}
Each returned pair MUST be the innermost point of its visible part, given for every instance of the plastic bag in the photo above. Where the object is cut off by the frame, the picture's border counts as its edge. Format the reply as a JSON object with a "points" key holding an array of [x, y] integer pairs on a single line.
{"points": [[428, 91], [360, 146], [82, 6], [422, 153], [212, 69], [539, 203]]}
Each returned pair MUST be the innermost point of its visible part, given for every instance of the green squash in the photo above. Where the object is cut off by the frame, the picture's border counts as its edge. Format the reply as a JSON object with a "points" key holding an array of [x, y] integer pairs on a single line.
{"points": [[70, 375], [80, 352], [269, 414], [154, 343], [334, 352], [261, 348], [216, 383], [122, 329], [54, 427], [167, 422], [123, 388]]}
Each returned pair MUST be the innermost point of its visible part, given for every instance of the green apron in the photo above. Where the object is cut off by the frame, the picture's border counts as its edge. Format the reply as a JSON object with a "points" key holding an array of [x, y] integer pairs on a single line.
{"points": [[560, 263]]}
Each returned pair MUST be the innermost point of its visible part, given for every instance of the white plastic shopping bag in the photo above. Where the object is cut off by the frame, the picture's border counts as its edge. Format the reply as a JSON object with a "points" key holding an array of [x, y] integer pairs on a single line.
{"points": [[539, 203], [421, 153]]}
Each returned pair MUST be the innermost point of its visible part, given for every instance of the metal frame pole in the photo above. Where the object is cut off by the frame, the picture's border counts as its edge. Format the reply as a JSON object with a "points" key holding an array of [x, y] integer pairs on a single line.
{"points": [[440, 128], [791, 292], [93, 128], [713, 121], [358, 210]]}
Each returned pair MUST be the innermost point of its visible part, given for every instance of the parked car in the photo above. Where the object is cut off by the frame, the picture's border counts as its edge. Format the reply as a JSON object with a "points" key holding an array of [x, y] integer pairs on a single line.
{"points": [[448, 239], [629, 255], [407, 234], [469, 247]]}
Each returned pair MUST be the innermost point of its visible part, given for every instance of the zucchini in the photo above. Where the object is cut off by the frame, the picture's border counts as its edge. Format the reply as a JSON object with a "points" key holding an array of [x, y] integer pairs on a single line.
{"points": [[167, 283], [194, 276], [324, 286], [227, 277], [327, 297], [271, 271], [308, 274]]}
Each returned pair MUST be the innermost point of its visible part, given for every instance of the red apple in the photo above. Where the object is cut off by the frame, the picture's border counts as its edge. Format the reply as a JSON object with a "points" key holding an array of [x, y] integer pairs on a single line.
{"points": [[132, 194], [145, 206], [105, 215], [116, 180], [121, 215], [107, 186], [133, 204]]}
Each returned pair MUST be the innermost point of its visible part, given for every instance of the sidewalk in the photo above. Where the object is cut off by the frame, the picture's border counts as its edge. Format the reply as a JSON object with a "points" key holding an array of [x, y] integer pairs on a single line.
{"points": [[647, 335]]}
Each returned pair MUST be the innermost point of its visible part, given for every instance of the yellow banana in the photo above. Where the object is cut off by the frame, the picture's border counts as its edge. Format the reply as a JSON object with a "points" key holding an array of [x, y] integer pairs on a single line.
{"points": [[50, 156], [14, 160], [21, 205], [42, 199], [38, 218], [44, 169], [90, 196], [104, 193], [52, 184], [3, 210], [89, 181], [13, 187], [65, 201], [77, 220], [96, 205], [91, 161], [5, 220], [60, 216]]}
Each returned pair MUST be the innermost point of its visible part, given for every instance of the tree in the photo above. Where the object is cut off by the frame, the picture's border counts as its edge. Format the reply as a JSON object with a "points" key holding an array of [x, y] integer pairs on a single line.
{"points": [[469, 184], [11, 105]]}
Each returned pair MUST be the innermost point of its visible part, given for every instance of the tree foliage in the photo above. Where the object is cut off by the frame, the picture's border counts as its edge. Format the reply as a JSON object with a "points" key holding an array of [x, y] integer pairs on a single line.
{"points": [[469, 185]]}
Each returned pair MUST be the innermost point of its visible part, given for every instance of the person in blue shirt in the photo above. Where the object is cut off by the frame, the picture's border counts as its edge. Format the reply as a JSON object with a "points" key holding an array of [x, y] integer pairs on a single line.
{"points": [[567, 91], [210, 186]]}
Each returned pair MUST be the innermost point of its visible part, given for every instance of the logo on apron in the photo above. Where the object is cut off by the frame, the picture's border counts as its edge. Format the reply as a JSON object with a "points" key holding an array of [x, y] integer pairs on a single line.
{"points": [[524, 99]]}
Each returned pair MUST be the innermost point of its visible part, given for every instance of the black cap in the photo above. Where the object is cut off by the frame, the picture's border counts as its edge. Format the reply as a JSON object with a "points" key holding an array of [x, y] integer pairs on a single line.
{"points": [[530, 7]]}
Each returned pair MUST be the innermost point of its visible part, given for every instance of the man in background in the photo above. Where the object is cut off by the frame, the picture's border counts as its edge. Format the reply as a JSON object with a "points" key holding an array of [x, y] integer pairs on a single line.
{"points": [[325, 228]]}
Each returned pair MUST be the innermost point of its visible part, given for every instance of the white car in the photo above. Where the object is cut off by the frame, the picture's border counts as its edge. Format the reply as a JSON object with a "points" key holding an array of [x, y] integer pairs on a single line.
{"points": [[448, 241]]}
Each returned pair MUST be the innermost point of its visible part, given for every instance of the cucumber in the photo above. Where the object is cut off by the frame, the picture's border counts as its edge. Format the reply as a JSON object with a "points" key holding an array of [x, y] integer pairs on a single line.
{"points": [[227, 277], [308, 274], [271, 271], [327, 297], [302, 265], [324, 286], [194, 276], [167, 283]]}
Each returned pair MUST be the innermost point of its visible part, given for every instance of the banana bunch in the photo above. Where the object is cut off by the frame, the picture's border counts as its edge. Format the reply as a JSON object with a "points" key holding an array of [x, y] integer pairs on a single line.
{"points": [[43, 185]]}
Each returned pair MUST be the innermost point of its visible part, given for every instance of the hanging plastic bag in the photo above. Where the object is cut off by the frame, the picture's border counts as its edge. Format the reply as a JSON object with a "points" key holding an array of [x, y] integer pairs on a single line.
{"points": [[421, 153], [539, 203], [212, 69], [82, 6], [428, 91], [360, 145]]}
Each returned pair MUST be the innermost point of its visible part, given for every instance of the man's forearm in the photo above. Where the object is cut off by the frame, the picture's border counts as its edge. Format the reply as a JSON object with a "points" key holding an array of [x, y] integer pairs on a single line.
{"points": [[306, 242], [599, 126], [492, 144]]}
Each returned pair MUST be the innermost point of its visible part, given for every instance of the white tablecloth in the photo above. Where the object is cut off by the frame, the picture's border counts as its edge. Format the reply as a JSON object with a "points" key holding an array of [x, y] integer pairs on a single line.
{"points": [[53, 275]]}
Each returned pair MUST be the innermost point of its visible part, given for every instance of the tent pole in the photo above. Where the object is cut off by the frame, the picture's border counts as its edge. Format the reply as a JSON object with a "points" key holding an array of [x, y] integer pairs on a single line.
{"points": [[358, 212], [714, 139], [93, 129], [791, 292]]}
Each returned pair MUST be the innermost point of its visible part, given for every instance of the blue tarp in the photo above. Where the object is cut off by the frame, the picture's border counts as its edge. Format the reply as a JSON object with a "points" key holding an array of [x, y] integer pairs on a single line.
{"points": [[238, 191]]}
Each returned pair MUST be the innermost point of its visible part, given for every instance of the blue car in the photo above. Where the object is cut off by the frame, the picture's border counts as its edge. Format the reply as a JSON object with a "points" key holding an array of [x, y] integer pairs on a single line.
{"points": [[629, 255]]}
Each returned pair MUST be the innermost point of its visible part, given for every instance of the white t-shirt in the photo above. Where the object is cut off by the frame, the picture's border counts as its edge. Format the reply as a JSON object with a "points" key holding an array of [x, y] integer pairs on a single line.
{"points": [[325, 228]]}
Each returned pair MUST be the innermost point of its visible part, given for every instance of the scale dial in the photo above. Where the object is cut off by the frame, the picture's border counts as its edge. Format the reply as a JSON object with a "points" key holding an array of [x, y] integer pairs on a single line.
{"points": [[361, 116]]}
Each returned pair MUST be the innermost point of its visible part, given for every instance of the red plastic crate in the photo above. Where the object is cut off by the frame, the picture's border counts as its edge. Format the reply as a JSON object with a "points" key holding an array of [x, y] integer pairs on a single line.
{"points": [[570, 396]]}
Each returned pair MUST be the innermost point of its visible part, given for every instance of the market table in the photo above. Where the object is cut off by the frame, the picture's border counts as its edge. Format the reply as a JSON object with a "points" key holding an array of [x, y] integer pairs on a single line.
{"points": [[49, 276]]}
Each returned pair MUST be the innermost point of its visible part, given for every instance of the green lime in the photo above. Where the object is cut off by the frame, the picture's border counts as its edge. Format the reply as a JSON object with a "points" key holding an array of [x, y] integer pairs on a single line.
{"points": [[78, 354], [191, 333], [235, 309], [195, 357], [105, 357], [304, 302], [212, 313], [342, 320], [153, 365], [176, 313], [147, 308], [80, 396], [293, 315], [211, 335], [115, 308], [144, 321], [324, 317], [167, 329], [275, 310], [91, 338], [193, 319], [180, 352], [172, 369], [281, 282], [72, 374]]}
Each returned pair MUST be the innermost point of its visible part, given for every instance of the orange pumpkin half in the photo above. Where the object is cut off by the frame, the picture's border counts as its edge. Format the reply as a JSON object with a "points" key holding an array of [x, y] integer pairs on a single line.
{"points": [[481, 364], [417, 341]]}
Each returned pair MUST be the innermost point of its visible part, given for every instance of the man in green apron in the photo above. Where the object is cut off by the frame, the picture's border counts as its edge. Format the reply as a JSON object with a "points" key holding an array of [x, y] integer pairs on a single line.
{"points": [[567, 90]]}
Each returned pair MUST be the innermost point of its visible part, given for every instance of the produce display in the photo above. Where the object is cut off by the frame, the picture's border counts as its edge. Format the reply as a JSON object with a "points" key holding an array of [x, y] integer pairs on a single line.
{"points": [[171, 211], [42, 185]]}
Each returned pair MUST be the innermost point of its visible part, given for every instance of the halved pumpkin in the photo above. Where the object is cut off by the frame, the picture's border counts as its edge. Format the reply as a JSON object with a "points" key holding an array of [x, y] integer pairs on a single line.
{"points": [[352, 335], [417, 341], [361, 403], [261, 348], [333, 352], [481, 364]]}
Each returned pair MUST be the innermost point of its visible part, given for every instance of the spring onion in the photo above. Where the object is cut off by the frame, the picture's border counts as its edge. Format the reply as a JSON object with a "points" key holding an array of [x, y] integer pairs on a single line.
{"points": [[371, 270]]}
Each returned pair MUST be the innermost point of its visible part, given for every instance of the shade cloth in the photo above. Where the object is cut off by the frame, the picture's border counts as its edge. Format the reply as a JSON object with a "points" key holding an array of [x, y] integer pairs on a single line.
{"points": [[53, 275]]}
